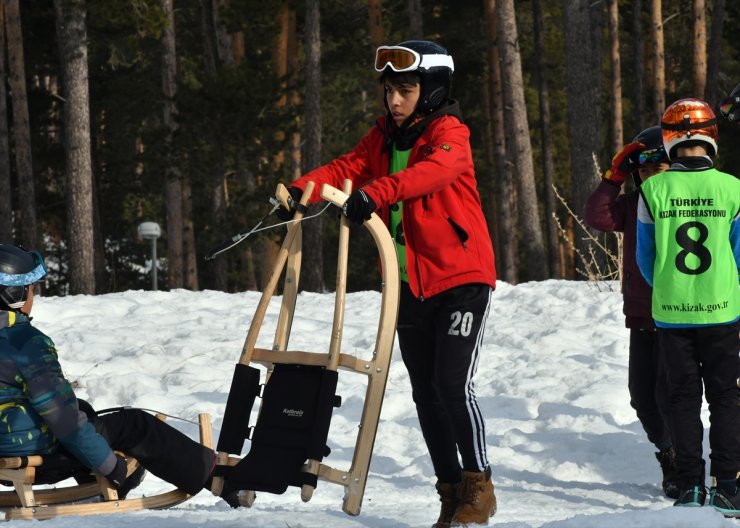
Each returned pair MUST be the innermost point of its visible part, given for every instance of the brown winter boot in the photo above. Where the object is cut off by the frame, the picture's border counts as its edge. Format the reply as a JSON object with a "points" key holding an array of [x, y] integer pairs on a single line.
{"points": [[477, 499], [448, 498]]}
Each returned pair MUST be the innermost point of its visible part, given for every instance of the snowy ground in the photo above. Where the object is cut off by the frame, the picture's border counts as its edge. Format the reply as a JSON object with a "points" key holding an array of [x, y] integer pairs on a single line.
{"points": [[565, 446]]}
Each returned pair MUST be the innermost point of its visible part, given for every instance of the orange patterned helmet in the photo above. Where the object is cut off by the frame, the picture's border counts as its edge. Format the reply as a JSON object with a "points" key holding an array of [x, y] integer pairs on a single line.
{"points": [[689, 120]]}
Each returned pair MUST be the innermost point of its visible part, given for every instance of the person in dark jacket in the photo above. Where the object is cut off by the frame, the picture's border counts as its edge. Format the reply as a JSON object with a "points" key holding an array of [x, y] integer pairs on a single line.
{"points": [[608, 209], [414, 168], [41, 414]]}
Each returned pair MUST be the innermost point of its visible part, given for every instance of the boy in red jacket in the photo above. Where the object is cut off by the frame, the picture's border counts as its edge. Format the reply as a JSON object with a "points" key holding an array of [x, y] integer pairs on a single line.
{"points": [[414, 168], [607, 209]]}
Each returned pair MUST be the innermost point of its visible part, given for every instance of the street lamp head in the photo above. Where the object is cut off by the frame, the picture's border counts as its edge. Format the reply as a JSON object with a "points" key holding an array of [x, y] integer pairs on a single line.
{"points": [[149, 230]]}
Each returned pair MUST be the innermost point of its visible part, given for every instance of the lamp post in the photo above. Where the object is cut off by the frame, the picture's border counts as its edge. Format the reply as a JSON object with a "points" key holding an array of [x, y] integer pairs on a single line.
{"points": [[151, 231]]}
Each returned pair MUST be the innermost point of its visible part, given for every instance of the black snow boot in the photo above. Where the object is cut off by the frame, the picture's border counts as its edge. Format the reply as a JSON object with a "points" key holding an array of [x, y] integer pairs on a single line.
{"points": [[667, 459]]}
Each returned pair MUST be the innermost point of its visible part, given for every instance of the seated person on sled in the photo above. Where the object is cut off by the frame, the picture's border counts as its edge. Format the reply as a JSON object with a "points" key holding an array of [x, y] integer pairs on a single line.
{"points": [[41, 415]]}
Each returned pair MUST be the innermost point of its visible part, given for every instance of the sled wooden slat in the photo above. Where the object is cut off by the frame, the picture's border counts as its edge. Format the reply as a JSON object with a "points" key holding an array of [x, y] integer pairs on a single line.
{"points": [[280, 261], [52, 495], [337, 327], [355, 485], [375, 367], [47, 503], [19, 462], [165, 500], [345, 361]]}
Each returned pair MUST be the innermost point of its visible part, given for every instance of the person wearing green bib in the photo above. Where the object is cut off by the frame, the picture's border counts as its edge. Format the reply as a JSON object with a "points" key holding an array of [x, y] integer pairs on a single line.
{"points": [[688, 249], [414, 168]]}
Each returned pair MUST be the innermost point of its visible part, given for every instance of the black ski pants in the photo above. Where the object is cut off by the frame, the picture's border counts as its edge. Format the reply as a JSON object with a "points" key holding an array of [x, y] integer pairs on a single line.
{"points": [[648, 387], [160, 448], [440, 340], [707, 355]]}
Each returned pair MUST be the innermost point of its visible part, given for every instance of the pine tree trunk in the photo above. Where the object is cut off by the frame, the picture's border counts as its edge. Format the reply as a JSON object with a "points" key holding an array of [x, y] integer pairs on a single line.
{"points": [[486, 178], [218, 268], [616, 67], [507, 262], [190, 270], [72, 36], [21, 126], [173, 193], [700, 48], [377, 38], [6, 205], [173, 203], [713, 92], [415, 20], [519, 144], [638, 75], [582, 99], [658, 60], [548, 164], [312, 270]]}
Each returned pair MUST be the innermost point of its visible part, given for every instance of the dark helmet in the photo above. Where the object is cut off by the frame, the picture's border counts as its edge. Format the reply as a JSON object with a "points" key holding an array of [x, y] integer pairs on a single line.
{"points": [[428, 60], [654, 151], [19, 269], [730, 105]]}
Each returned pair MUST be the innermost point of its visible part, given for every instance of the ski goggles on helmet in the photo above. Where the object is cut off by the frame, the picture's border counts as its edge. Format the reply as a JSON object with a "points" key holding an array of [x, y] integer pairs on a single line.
{"points": [[25, 279], [402, 59], [656, 155], [727, 106]]}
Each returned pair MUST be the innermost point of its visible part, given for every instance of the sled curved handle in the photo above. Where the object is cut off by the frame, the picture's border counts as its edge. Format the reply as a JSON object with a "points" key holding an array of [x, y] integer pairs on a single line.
{"points": [[355, 479]]}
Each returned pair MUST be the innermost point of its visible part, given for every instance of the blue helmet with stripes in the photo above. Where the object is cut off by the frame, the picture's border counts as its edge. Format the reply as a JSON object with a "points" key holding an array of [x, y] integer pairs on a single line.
{"points": [[19, 269]]}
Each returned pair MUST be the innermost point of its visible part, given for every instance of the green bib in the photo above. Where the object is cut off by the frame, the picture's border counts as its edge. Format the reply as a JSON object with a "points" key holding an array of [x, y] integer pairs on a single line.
{"points": [[399, 161], [695, 275]]}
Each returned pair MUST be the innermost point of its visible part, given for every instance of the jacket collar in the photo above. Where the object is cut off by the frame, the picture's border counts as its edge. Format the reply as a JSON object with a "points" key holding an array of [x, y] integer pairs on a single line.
{"points": [[413, 128], [692, 163]]}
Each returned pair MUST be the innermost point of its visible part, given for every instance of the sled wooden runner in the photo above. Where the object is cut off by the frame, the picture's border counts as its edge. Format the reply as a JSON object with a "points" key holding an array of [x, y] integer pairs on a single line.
{"points": [[25, 502], [374, 368]]}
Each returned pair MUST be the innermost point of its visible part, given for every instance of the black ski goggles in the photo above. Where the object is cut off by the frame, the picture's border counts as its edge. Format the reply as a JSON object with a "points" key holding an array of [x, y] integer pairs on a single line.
{"points": [[402, 59]]}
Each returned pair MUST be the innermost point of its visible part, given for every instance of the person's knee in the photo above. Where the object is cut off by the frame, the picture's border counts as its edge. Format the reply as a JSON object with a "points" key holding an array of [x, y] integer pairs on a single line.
{"points": [[725, 397]]}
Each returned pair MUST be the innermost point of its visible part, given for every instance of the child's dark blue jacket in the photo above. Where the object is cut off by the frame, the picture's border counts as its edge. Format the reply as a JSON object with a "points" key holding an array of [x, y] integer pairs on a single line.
{"points": [[39, 412]]}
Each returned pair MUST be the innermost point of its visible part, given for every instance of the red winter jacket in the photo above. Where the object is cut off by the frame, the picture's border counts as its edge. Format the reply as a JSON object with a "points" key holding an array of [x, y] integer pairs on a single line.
{"points": [[447, 241], [607, 210]]}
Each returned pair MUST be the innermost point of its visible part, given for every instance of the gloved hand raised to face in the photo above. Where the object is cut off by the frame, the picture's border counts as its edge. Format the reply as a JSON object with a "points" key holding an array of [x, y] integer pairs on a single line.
{"points": [[358, 207], [623, 163], [284, 214]]}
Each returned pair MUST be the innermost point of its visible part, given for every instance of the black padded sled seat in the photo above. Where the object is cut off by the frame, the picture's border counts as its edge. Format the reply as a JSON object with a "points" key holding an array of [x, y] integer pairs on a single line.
{"points": [[292, 427]]}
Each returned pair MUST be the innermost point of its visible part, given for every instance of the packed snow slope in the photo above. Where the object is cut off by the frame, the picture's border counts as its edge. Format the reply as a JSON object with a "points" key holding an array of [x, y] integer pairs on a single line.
{"points": [[565, 446]]}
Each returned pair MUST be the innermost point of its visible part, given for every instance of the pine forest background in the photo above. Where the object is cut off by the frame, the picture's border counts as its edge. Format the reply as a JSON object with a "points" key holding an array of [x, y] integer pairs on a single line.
{"points": [[189, 112]]}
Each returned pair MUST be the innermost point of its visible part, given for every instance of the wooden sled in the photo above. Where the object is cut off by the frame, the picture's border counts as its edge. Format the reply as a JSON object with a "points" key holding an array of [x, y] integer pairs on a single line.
{"points": [[25, 502], [288, 442]]}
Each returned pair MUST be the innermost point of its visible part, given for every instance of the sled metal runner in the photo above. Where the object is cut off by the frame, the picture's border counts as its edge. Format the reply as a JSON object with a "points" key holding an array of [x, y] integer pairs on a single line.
{"points": [[298, 397], [28, 501]]}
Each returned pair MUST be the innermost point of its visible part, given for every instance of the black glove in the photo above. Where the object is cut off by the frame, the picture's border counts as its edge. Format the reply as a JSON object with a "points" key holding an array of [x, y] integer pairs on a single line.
{"points": [[284, 214], [358, 207], [117, 476], [120, 481]]}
